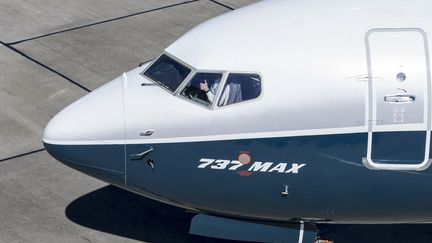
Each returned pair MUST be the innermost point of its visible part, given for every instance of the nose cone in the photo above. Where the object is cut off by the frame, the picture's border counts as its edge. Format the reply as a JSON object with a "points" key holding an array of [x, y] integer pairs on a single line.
{"points": [[96, 117], [88, 135]]}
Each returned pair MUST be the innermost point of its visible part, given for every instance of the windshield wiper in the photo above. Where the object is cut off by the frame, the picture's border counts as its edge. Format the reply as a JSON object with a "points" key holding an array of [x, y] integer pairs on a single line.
{"points": [[148, 84]]}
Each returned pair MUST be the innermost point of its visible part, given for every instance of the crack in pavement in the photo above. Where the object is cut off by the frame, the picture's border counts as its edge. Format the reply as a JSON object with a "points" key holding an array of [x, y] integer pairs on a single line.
{"points": [[22, 155], [100, 22], [45, 66], [223, 5]]}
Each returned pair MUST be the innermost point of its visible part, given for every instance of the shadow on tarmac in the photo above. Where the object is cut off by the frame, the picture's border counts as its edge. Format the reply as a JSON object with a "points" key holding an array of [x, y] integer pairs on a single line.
{"points": [[119, 212], [123, 213]]}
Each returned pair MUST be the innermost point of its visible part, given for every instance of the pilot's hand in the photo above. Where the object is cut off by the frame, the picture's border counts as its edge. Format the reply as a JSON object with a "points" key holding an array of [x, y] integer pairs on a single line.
{"points": [[204, 86]]}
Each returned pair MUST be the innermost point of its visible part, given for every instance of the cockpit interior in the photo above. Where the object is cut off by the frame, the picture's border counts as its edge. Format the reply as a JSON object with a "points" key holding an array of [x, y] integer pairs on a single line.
{"points": [[203, 87]]}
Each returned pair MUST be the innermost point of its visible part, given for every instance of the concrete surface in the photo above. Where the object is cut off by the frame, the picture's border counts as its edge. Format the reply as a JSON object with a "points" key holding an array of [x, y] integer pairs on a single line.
{"points": [[236, 3], [52, 53], [94, 55], [29, 96], [21, 19]]}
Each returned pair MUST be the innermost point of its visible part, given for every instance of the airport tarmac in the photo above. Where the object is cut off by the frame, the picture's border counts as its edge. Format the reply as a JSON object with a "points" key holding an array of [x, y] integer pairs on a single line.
{"points": [[51, 53]]}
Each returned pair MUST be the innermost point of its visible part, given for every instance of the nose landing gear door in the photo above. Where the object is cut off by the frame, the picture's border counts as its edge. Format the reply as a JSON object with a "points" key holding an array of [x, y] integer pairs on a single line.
{"points": [[399, 99]]}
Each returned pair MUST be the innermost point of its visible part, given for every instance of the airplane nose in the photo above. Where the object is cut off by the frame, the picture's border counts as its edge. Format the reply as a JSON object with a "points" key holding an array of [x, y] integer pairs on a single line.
{"points": [[88, 135]]}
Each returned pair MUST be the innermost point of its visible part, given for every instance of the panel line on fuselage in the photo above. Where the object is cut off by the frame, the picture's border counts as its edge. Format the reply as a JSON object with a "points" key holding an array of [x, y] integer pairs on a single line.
{"points": [[205, 138]]}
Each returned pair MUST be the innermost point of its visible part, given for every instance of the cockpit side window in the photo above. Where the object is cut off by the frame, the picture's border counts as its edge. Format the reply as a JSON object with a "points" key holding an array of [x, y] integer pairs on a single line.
{"points": [[167, 72], [240, 87], [202, 88]]}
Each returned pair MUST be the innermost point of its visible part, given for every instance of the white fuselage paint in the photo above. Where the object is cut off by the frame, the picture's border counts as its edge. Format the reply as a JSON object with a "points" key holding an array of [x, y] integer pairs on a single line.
{"points": [[314, 77]]}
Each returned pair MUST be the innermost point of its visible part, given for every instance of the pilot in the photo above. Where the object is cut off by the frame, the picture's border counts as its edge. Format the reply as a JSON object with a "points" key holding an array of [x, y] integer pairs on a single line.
{"points": [[210, 92]]}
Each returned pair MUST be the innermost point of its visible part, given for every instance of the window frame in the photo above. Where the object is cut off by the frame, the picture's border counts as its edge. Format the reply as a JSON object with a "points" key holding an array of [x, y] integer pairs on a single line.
{"points": [[217, 107], [186, 82], [225, 74], [193, 69]]}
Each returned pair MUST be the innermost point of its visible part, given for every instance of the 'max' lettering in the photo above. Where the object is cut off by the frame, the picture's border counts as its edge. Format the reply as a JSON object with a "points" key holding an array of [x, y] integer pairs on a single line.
{"points": [[257, 166], [295, 168], [280, 168]]}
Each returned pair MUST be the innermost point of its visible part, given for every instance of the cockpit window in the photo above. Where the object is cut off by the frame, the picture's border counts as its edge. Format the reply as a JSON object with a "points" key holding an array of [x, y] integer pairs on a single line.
{"points": [[240, 87], [167, 72], [202, 88]]}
